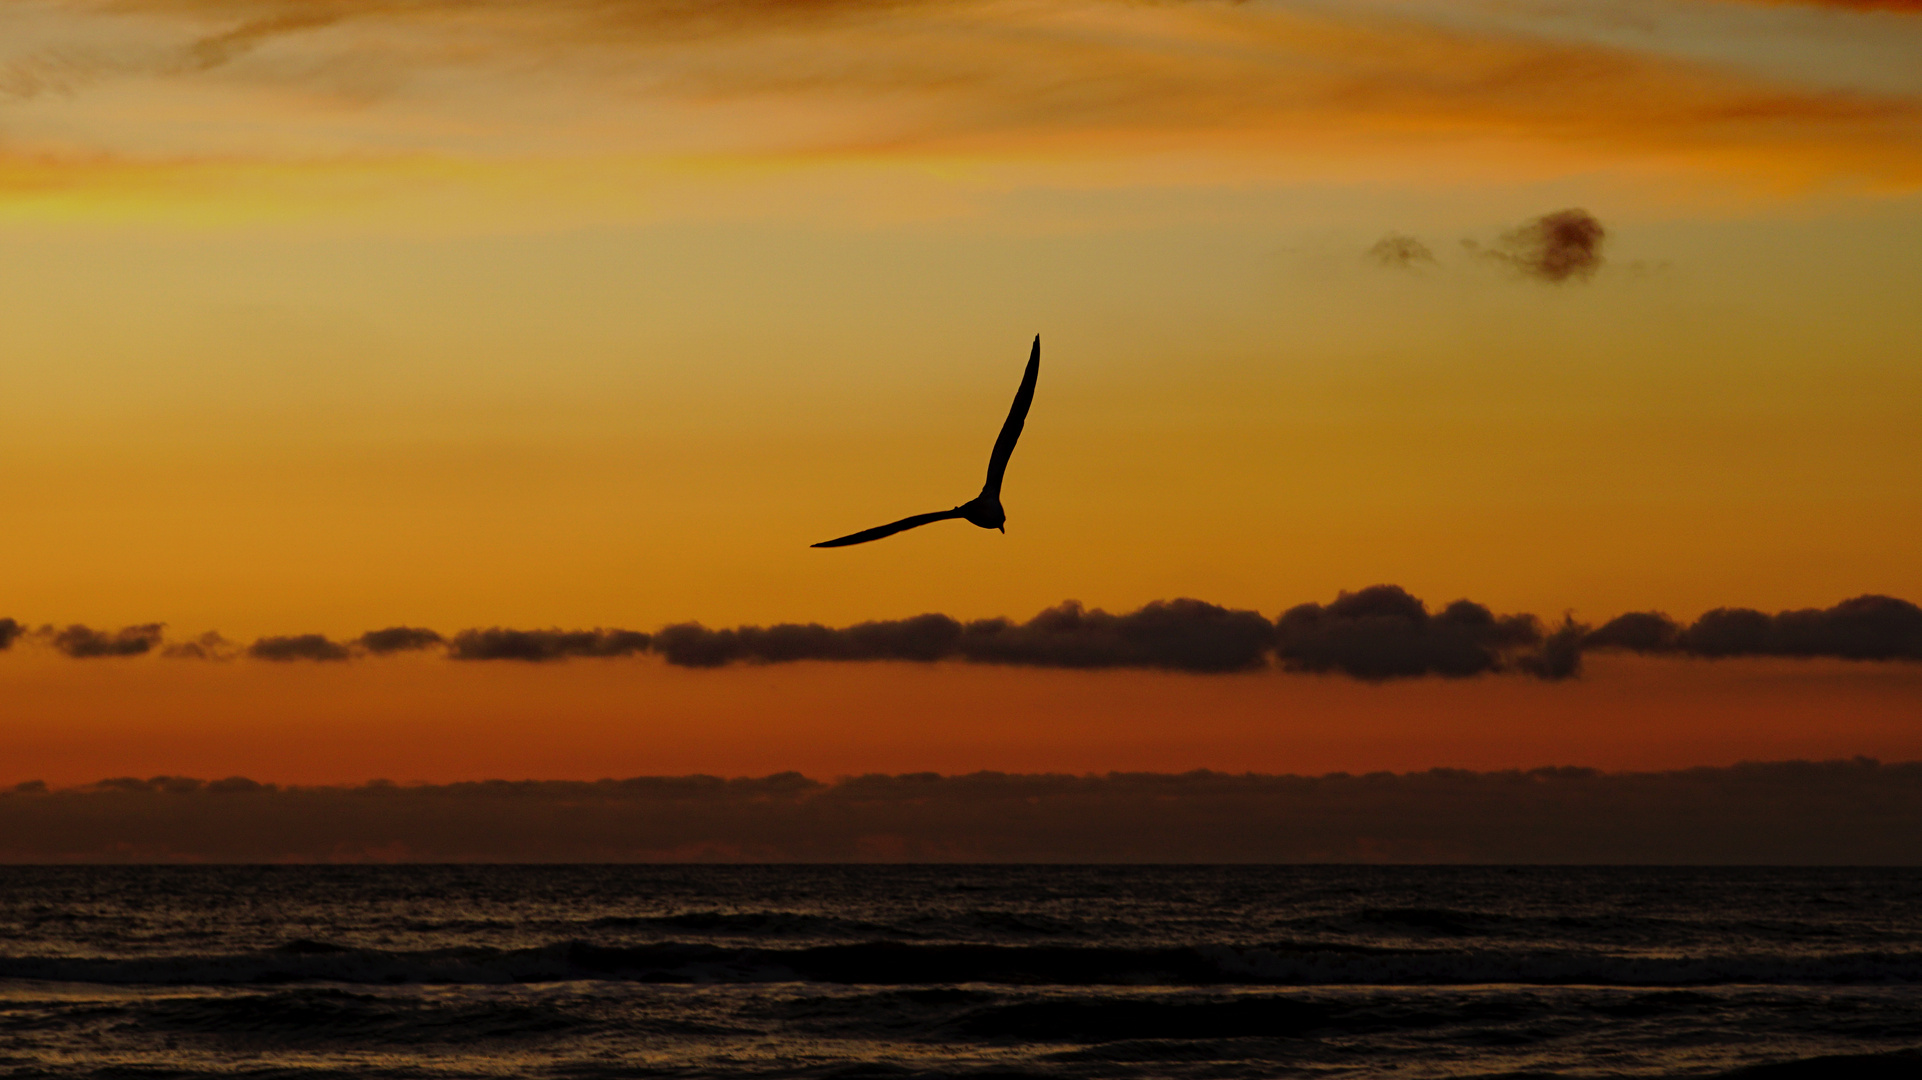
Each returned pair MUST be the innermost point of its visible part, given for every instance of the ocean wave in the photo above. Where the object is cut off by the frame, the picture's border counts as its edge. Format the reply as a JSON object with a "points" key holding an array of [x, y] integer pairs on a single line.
{"points": [[741, 923], [1611, 926], [898, 963]]}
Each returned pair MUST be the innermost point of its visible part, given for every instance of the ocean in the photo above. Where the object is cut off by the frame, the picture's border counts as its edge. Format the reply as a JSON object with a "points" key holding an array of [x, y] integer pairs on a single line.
{"points": [[975, 971]]}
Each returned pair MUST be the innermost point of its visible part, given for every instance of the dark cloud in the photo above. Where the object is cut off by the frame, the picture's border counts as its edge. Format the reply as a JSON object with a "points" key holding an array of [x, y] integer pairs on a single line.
{"points": [[298, 647], [1855, 812], [81, 642], [397, 639], [1557, 247], [1382, 632], [924, 637], [1865, 628], [1560, 655], [1183, 635], [496, 643], [208, 646], [1402, 252], [1638, 631], [1179, 635]]}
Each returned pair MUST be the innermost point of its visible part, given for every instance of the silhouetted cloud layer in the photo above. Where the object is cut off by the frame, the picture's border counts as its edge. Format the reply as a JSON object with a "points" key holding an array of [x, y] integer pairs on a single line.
{"points": [[83, 642], [1180, 635], [1639, 631], [1864, 628], [1380, 632], [924, 637], [298, 647], [208, 646], [397, 639], [1836, 812], [496, 643]]}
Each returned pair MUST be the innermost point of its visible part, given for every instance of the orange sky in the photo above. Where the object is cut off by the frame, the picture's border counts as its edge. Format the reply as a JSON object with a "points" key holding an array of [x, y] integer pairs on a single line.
{"points": [[334, 315], [71, 722]]}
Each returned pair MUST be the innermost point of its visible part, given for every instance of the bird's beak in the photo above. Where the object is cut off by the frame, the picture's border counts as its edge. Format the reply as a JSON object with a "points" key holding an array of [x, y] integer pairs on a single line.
{"points": [[1003, 528]]}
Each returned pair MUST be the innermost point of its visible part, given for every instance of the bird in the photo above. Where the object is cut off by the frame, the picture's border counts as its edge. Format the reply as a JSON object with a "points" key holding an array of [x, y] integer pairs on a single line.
{"points": [[983, 510]]}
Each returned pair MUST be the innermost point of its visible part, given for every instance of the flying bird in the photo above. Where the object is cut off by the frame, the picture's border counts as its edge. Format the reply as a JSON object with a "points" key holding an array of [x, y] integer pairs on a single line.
{"points": [[984, 509]]}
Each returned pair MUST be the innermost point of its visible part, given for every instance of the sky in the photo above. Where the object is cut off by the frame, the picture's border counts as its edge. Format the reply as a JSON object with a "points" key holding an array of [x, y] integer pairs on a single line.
{"points": [[339, 315]]}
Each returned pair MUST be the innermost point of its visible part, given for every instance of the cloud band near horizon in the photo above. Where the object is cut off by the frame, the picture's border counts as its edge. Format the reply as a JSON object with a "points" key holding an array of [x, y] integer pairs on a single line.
{"points": [[1833, 812], [1377, 633]]}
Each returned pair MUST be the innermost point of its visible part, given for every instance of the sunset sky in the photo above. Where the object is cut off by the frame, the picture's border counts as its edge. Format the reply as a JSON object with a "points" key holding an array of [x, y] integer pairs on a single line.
{"points": [[324, 316]]}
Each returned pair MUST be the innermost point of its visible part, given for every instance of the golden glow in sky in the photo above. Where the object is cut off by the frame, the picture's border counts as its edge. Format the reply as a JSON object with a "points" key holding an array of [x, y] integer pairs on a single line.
{"points": [[330, 315]]}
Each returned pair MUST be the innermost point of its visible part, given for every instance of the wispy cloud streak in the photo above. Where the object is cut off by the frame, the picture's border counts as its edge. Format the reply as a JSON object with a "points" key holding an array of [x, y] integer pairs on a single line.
{"points": [[1073, 83]]}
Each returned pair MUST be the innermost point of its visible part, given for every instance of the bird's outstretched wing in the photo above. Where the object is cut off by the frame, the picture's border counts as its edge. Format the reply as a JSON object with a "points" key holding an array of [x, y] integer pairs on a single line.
{"points": [[879, 531], [1011, 427]]}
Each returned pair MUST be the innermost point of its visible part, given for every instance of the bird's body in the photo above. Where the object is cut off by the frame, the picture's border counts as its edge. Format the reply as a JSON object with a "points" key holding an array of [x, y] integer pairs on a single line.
{"points": [[984, 510]]}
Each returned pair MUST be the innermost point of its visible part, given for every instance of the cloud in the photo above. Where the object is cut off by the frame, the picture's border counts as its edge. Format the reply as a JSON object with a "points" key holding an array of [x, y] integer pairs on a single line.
{"points": [[1637, 631], [1382, 632], [1178, 635], [1079, 91], [1560, 655], [1377, 633], [208, 646], [1557, 247], [9, 630], [397, 639], [1857, 812], [496, 643], [1181, 635], [1401, 252], [1864, 628], [81, 642], [924, 637], [298, 647]]}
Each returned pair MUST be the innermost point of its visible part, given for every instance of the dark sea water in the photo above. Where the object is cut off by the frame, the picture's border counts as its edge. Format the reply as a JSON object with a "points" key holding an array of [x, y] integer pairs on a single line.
{"points": [[959, 971]]}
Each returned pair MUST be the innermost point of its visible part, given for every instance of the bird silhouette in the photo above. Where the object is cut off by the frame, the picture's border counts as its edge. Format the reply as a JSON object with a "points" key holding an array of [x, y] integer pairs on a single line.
{"points": [[984, 509]]}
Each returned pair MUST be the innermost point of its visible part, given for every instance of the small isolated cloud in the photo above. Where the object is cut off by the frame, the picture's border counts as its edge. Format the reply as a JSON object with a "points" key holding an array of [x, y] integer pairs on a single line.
{"points": [[397, 639], [83, 642], [1557, 247], [298, 647], [208, 646], [1401, 252], [496, 643], [8, 631], [1382, 632]]}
